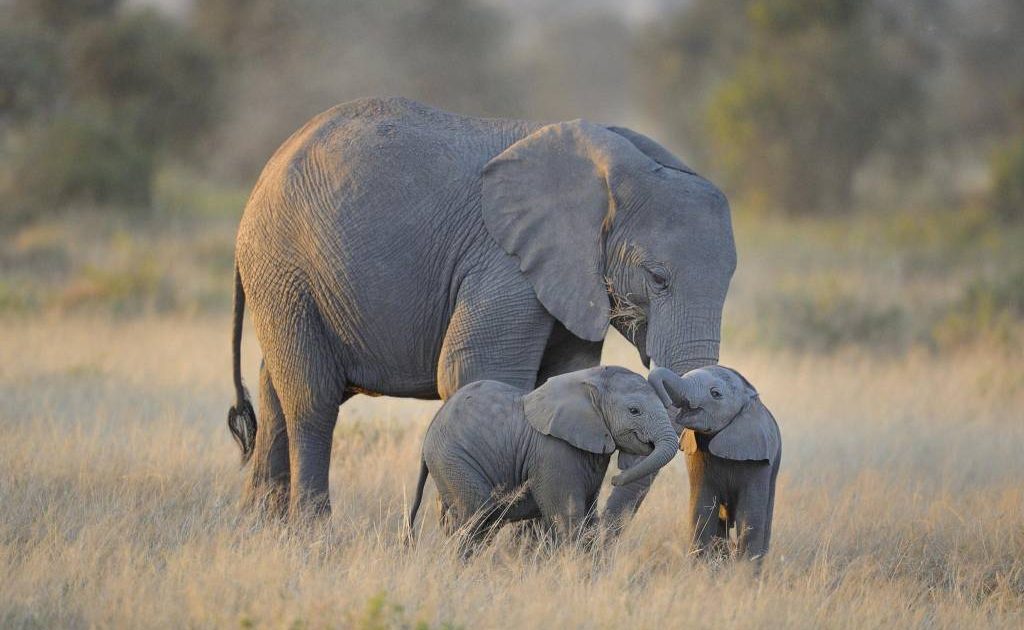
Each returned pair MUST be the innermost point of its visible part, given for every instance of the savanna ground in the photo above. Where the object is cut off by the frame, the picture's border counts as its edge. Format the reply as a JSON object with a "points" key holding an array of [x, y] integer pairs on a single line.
{"points": [[889, 349]]}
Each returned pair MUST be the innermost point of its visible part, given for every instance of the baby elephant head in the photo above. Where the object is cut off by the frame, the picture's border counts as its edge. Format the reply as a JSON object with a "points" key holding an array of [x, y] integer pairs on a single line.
{"points": [[604, 408], [718, 401]]}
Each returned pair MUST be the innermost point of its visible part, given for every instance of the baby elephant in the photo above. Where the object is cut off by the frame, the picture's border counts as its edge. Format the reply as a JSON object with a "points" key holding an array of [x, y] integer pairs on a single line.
{"points": [[498, 455], [733, 451]]}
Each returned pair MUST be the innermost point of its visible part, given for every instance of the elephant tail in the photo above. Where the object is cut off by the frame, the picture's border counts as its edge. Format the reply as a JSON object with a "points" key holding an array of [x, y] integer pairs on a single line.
{"points": [[241, 417], [419, 495]]}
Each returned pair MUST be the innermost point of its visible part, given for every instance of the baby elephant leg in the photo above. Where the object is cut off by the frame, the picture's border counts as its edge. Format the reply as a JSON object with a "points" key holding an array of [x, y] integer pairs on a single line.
{"points": [[567, 508], [753, 520], [470, 516], [709, 530]]}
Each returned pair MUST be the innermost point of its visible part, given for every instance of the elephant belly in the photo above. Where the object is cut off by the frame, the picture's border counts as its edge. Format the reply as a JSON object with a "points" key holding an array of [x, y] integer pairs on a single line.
{"points": [[371, 216]]}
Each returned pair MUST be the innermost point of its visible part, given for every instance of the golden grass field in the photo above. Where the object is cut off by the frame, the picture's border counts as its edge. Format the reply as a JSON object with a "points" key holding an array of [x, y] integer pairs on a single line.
{"points": [[900, 502]]}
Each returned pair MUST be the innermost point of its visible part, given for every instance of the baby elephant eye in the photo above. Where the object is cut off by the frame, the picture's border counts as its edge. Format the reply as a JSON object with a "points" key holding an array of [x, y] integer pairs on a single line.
{"points": [[715, 393], [634, 411]]}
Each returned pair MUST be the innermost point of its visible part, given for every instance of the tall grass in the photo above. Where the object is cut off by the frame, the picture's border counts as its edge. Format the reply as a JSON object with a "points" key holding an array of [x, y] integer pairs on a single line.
{"points": [[899, 503]]}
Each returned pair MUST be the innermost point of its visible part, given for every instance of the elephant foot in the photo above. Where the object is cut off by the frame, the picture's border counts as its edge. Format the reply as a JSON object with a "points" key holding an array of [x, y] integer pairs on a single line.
{"points": [[270, 500]]}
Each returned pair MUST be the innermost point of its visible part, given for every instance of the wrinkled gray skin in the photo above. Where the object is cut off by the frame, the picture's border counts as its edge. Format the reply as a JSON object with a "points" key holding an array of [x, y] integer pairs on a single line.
{"points": [[733, 450], [390, 248], [499, 456]]}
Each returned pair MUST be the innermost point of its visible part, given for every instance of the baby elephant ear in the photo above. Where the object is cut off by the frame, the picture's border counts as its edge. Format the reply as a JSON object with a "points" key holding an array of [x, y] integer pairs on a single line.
{"points": [[568, 407], [753, 435]]}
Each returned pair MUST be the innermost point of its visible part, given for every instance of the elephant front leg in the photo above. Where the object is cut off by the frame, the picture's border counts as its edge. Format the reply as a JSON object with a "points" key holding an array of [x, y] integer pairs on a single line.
{"points": [[753, 521], [566, 508], [624, 501], [709, 531], [498, 331]]}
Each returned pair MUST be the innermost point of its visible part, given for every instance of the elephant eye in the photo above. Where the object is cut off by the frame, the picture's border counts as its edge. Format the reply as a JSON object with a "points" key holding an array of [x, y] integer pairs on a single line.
{"points": [[715, 393], [634, 411], [658, 277]]}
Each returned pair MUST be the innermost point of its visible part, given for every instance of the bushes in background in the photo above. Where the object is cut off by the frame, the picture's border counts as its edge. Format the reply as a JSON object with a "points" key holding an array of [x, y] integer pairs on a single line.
{"points": [[95, 98], [1007, 196]]}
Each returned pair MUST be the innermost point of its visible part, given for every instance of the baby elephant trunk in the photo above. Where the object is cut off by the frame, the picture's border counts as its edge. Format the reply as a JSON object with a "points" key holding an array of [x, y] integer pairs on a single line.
{"points": [[666, 445]]}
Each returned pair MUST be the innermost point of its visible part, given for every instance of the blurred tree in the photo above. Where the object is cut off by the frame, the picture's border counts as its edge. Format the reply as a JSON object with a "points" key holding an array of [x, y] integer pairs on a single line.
{"points": [[150, 73], [796, 97], [1007, 197], [289, 61], [63, 15], [31, 75], [92, 99], [82, 157], [576, 67]]}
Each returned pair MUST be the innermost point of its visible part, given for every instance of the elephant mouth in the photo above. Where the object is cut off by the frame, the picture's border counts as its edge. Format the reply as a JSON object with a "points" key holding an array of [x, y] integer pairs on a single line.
{"points": [[686, 410], [648, 444], [687, 414]]}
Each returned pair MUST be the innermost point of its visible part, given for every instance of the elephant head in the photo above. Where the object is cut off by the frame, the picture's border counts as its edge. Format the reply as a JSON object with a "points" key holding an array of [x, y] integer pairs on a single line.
{"points": [[608, 226], [719, 402], [604, 408]]}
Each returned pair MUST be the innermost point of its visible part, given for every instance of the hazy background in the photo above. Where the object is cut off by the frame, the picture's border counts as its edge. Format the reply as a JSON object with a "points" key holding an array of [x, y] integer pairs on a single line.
{"points": [[873, 153], [891, 131]]}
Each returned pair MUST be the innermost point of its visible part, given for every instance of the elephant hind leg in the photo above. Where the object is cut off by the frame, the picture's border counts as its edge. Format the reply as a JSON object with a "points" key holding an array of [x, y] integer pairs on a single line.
{"points": [[310, 384], [471, 515], [269, 477]]}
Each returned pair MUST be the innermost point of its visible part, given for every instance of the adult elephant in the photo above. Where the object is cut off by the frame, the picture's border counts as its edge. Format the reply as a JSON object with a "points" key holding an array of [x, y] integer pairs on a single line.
{"points": [[390, 248]]}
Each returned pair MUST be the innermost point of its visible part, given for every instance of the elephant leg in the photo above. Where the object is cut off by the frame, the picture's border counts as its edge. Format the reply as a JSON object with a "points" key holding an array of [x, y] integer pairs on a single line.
{"points": [[565, 352], [310, 386], [709, 531], [269, 476], [771, 500], [624, 501], [498, 331], [564, 505], [752, 526], [752, 513], [310, 436], [446, 521], [474, 518]]}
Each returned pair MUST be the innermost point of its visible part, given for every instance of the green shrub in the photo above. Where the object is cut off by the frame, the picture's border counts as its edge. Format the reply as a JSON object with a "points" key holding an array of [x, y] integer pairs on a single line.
{"points": [[63, 15], [80, 158], [987, 310], [1007, 198], [824, 318], [30, 73], [139, 287], [152, 74]]}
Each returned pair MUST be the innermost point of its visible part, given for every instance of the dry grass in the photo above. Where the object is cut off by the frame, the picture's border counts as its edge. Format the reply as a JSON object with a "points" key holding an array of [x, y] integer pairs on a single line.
{"points": [[900, 503]]}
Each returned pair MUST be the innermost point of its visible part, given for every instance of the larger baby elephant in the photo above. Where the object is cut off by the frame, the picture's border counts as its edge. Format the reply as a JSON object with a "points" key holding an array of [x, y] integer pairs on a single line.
{"points": [[498, 455], [733, 450]]}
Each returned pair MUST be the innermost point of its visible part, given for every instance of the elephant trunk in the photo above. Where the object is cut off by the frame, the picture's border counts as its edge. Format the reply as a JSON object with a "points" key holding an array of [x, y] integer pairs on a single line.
{"points": [[672, 389], [666, 445], [687, 340]]}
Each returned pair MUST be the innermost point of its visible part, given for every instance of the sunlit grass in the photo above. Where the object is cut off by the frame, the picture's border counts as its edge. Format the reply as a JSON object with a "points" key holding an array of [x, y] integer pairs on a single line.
{"points": [[899, 502]]}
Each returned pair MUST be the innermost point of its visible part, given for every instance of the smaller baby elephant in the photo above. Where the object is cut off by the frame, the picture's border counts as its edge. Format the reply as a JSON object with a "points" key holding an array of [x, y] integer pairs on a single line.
{"points": [[499, 455], [733, 450]]}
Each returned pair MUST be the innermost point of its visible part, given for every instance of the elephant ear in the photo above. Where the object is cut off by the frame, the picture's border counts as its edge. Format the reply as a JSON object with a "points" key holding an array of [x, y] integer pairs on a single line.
{"points": [[653, 150], [548, 200], [753, 435], [568, 407]]}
